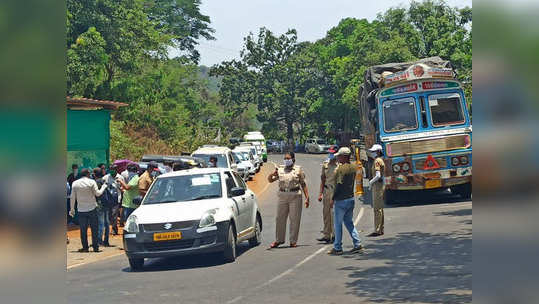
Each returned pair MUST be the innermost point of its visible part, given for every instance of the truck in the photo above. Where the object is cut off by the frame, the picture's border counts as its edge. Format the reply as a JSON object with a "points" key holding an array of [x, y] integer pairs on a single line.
{"points": [[417, 112]]}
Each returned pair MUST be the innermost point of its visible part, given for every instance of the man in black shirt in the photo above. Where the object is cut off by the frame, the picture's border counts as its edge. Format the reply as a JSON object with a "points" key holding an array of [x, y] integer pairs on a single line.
{"points": [[343, 201]]}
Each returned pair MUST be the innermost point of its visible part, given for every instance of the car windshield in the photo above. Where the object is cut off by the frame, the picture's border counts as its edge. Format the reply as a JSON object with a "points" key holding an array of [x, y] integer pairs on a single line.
{"points": [[221, 159], [238, 157], [446, 109], [184, 188], [400, 115], [320, 141]]}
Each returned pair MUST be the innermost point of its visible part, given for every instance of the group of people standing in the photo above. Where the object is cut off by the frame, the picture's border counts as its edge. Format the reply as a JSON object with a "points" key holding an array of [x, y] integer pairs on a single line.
{"points": [[337, 193], [98, 196]]}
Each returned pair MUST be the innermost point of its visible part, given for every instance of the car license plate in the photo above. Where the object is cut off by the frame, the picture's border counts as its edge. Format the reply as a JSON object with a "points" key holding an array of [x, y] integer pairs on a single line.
{"points": [[433, 183], [167, 236]]}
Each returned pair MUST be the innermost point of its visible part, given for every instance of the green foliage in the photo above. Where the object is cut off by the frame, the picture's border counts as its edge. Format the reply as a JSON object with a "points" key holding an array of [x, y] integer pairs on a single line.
{"points": [[311, 89]]}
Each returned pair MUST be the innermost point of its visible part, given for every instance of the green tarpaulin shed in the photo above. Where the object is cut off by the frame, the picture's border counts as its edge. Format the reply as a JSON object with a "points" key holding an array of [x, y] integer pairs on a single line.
{"points": [[88, 131]]}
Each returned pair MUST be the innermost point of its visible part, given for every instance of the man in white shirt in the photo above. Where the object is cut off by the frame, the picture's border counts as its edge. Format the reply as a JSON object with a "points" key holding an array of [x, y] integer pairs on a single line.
{"points": [[84, 192]]}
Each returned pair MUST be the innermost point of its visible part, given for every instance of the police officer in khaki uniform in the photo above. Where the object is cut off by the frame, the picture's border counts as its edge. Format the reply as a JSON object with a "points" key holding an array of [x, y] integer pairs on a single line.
{"points": [[377, 187], [327, 185], [291, 179]]}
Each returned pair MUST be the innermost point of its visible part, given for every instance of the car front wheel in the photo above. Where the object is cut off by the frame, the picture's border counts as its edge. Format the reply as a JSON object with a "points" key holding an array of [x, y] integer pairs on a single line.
{"points": [[229, 254], [136, 263], [257, 238]]}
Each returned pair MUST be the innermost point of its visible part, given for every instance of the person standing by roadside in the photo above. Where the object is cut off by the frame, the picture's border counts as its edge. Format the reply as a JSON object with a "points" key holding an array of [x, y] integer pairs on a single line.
{"points": [[84, 191], [377, 187], [101, 209], [130, 192], [74, 175], [114, 197], [291, 179], [343, 202], [146, 179], [326, 195]]}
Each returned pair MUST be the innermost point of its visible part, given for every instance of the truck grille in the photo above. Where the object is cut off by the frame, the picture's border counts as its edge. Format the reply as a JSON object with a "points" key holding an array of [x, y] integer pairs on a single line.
{"points": [[428, 145], [175, 226]]}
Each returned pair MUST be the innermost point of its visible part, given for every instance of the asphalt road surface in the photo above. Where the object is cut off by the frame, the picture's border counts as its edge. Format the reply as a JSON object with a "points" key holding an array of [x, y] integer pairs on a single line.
{"points": [[424, 257]]}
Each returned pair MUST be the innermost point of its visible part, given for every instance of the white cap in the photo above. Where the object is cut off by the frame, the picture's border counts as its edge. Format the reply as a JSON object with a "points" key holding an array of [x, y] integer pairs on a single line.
{"points": [[376, 147], [343, 151]]}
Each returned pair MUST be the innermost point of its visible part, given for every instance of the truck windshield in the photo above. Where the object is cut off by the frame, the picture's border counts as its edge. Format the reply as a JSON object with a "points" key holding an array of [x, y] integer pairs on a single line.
{"points": [[221, 159], [400, 115], [184, 188], [446, 109]]}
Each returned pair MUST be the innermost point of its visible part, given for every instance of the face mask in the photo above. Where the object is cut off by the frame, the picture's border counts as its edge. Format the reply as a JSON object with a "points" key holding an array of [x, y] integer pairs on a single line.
{"points": [[288, 162], [75, 172]]}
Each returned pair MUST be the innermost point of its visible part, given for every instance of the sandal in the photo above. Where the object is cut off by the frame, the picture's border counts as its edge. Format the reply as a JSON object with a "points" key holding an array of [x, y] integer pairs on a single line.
{"points": [[293, 245], [275, 244]]}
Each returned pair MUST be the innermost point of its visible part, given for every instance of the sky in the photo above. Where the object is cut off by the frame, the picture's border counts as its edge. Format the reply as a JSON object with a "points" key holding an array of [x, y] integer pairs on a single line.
{"points": [[234, 19]]}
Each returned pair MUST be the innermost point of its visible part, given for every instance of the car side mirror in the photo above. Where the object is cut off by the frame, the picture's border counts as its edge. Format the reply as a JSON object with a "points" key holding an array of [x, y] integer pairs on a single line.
{"points": [[137, 200], [237, 191]]}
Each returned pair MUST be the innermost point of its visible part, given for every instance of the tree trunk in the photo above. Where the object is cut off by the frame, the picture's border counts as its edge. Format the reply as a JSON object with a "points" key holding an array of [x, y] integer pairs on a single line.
{"points": [[290, 133]]}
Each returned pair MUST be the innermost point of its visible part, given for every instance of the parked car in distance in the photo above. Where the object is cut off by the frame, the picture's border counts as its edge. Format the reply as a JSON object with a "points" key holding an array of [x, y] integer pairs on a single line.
{"points": [[193, 211], [244, 165], [316, 145], [247, 154], [274, 146], [256, 152], [223, 155]]}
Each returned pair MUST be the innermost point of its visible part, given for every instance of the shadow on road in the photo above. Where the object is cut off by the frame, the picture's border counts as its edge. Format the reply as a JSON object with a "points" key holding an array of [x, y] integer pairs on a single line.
{"points": [[412, 198], [187, 262], [415, 267]]}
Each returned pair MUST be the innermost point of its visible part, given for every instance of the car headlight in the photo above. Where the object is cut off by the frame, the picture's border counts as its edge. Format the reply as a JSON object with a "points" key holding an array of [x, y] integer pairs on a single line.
{"points": [[208, 218], [396, 168], [405, 167], [131, 225], [464, 160]]}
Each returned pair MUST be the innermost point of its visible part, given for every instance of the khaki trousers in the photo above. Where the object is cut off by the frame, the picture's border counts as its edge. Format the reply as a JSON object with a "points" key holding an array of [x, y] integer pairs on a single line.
{"points": [[378, 206], [289, 206], [327, 213]]}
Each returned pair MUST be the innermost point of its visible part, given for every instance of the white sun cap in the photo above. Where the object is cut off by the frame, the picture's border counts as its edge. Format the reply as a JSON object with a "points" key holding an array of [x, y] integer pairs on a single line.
{"points": [[375, 147]]}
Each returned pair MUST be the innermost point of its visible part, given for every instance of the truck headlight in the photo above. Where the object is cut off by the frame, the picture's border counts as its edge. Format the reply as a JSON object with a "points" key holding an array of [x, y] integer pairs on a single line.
{"points": [[208, 218], [463, 160], [396, 168], [131, 225], [405, 167], [455, 161]]}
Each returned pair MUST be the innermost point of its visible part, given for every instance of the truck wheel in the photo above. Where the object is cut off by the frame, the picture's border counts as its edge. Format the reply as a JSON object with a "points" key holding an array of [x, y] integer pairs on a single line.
{"points": [[136, 263], [257, 238], [229, 254], [389, 197], [464, 191]]}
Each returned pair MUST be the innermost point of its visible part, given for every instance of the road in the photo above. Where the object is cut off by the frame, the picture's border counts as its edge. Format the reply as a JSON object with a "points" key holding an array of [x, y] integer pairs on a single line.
{"points": [[425, 257]]}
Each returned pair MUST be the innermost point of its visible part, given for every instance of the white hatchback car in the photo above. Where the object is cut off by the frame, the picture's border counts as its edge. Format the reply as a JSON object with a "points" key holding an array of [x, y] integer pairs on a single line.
{"points": [[199, 210]]}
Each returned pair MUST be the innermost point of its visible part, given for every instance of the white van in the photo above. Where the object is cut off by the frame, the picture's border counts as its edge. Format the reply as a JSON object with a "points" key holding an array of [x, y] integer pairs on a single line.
{"points": [[257, 137]]}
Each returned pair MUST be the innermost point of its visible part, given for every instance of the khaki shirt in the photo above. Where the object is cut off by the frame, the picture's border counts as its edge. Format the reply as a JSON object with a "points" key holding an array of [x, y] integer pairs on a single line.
{"points": [[145, 181], [290, 179], [328, 171], [379, 165]]}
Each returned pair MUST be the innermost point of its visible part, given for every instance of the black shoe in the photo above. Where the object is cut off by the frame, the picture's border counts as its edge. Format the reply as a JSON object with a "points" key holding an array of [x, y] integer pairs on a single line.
{"points": [[83, 250], [358, 249], [97, 249], [335, 252], [374, 234], [324, 239], [108, 245]]}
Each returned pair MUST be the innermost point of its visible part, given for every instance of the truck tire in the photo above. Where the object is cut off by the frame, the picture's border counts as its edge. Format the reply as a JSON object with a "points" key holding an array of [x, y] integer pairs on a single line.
{"points": [[464, 191], [229, 254]]}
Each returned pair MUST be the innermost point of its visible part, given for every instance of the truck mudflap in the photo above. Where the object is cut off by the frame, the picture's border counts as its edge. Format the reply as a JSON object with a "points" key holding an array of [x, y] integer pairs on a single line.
{"points": [[429, 180]]}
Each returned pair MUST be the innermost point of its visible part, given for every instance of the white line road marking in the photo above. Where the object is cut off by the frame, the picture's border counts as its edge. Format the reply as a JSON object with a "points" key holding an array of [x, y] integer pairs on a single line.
{"points": [[290, 270]]}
